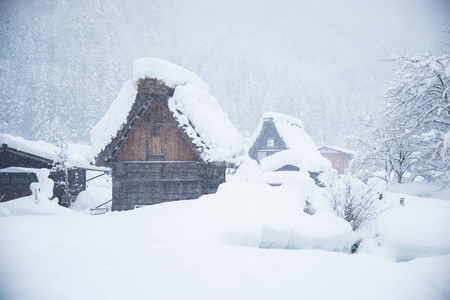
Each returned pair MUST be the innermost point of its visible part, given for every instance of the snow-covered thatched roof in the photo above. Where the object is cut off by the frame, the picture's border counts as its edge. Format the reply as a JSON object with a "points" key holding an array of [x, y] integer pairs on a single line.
{"points": [[301, 150], [46, 150], [197, 112]]}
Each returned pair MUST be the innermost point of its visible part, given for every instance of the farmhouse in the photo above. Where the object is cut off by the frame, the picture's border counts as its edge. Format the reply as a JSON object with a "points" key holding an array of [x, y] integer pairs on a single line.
{"points": [[339, 157], [280, 143], [20, 160], [164, 137]]}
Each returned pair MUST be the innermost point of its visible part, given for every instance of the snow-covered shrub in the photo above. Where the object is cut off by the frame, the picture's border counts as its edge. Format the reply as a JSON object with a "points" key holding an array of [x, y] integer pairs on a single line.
{"points": [[351, 199]]}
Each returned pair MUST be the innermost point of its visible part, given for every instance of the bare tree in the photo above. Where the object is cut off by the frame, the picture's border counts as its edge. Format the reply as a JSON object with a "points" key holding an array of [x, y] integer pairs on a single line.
{"points": [[354, 201]]}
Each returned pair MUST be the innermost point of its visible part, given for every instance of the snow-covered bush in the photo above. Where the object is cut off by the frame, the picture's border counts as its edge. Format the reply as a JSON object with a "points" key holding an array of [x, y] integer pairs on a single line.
{"points": [[351, 199]]}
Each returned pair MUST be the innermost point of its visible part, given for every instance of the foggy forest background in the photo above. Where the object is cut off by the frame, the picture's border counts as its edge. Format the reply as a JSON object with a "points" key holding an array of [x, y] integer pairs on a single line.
{"points": [[62, 63]]}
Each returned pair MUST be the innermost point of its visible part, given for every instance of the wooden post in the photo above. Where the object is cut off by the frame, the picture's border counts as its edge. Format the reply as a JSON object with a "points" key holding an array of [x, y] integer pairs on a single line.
{"points": [[402, 201]]}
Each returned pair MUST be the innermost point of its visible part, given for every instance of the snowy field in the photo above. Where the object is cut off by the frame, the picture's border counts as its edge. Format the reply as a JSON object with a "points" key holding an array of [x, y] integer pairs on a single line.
{"points": [[248, 241]]}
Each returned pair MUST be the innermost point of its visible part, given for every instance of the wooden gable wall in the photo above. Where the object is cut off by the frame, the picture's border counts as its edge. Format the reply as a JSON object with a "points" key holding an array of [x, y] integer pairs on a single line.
{"points": [[268, 131], [156, 137]]}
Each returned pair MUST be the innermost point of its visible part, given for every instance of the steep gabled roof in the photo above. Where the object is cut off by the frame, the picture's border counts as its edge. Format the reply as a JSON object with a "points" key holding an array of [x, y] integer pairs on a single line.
{"points": [[198, 114], [290, 129], [301, 150]]}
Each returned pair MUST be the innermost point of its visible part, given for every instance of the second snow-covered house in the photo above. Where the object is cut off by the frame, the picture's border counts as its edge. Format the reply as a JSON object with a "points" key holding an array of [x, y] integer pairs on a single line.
{"points": [[280, 143], [165, 137]]}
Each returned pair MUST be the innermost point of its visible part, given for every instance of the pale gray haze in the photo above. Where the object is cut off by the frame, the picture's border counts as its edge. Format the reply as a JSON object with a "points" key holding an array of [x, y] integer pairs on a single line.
{"points": [[320, 61]]}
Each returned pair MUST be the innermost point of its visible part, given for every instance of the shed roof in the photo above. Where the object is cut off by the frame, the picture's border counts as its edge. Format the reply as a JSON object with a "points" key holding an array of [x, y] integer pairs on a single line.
{"points": [[337, 149], [198, 113], [47, 151]]}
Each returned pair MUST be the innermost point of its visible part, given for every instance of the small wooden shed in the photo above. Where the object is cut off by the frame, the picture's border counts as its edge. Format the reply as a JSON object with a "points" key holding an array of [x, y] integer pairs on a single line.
{"points": [[174, 143], [19, 160]]}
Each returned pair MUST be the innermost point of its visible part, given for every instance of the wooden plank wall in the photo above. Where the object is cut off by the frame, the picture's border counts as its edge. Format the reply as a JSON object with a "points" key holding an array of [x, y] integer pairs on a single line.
{"points": [[157, 164], [138, 183], [8, 159], [268, 131], [15, 185], [156, 137]]}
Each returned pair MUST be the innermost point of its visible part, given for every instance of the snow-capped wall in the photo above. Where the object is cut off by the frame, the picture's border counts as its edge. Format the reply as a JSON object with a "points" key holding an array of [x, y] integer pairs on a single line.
{"points": [[197, 112]]}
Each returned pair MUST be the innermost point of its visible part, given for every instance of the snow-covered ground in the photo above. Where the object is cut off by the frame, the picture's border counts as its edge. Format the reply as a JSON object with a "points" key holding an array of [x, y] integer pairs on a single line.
{"points": [[247, 241]]}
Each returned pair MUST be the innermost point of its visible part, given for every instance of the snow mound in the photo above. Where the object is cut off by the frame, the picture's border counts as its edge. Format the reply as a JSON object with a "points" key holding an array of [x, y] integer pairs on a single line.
{"points": [[91, 199], [28, 206], [414, 230], [435, 190], [257, 215], [304, 159]]}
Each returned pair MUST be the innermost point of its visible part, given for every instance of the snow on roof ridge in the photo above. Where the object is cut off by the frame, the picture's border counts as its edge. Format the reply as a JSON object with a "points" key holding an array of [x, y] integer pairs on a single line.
{"points": [[170, 73], [282, 117]]}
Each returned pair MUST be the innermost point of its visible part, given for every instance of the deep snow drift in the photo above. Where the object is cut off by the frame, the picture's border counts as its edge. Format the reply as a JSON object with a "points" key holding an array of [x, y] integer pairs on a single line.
{"points": [[216, 248]]}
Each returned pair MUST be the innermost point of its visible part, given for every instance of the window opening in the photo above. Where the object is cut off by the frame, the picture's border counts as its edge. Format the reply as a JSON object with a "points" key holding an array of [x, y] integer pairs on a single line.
{"points": [[156, 130]]}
